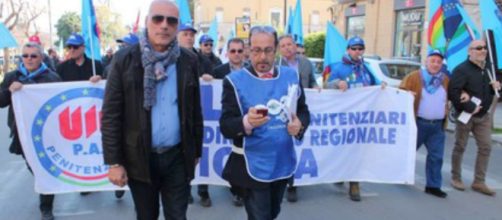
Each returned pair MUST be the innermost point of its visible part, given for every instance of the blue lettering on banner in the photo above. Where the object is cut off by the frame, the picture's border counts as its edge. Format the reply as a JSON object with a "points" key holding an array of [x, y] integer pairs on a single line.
{"points": [[356, 135], [358, 118], [306, 165], [209, 113], [219, 158]]}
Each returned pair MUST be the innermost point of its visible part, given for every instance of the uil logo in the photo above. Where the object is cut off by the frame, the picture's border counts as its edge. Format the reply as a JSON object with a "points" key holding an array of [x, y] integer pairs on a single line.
{"points": [[66, 138]]}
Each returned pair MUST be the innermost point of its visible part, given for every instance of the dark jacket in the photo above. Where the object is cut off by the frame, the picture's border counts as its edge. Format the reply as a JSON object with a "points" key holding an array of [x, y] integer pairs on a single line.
{"points": [[126, 126], [205, 65], [70, 71], [213, 59], [221, 71], [5, 100], [470, 78], [231, 127]]}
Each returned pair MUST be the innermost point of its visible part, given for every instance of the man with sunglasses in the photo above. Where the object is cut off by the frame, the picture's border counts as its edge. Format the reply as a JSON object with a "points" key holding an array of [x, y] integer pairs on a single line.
{"points": [[206, 48], [473, 77], [351, 72], [152, 119], [235, 53], [263, 157], [186, 39], [31, 71], [79, 67]]}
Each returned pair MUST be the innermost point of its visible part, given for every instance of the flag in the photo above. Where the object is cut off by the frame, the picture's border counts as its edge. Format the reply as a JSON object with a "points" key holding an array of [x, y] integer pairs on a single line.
{"points": [[135, 27], [184, 10], [213, 33], [335, 46], [291, 18], [297, 28], [7, 39], [491, 19], [450, 31], [90, 31]]}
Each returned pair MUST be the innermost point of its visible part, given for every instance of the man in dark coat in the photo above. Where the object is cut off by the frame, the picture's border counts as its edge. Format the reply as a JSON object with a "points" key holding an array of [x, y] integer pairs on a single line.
{"points": [[152, 120]]}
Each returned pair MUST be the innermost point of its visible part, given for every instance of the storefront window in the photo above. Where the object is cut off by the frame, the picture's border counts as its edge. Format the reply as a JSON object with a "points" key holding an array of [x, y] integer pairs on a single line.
{"points": [[409, 29], [355, 26]]}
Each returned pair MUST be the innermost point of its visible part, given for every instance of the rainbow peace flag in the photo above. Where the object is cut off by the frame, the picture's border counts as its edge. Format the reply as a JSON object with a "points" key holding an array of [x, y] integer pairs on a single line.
{"points": [[450, 31]]}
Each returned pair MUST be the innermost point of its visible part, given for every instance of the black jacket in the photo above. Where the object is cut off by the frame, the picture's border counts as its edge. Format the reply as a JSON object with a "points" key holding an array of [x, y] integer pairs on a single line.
{"points": [[205, 65], [70, 71], [231, 127], [126, 126], [221, 71], [470, 78], [5, 100]]}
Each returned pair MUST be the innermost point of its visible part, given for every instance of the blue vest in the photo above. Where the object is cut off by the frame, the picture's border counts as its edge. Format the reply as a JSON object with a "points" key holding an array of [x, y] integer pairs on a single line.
{"points": [[269, 152]]}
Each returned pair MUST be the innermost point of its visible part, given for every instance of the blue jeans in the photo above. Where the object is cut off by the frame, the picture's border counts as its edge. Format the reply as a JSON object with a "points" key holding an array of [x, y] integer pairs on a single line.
{"points": [[431, 134], [168, 181], [265, 203]]}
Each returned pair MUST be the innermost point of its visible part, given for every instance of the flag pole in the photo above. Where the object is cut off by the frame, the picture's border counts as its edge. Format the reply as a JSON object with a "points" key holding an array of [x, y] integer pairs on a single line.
{"points": [[92, 48], [491, 73]]}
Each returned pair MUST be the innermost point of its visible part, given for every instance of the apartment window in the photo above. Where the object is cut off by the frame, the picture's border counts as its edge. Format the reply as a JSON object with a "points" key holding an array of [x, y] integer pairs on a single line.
{"points": [[355, 26], [314, 18], [219, 14], [275, 17], [246, 12], [409, 29]]}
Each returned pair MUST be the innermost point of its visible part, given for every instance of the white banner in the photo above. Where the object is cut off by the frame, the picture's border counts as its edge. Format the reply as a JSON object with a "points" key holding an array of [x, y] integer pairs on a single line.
{"points": [[366, 134], [59, 129]]}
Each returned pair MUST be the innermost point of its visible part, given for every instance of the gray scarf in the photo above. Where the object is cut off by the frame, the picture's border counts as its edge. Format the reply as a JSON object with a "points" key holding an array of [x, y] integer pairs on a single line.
{"points": [[155, 64]]}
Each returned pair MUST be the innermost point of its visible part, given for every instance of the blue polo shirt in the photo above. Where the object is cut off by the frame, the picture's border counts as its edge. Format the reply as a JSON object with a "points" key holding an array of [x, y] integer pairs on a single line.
{"points": [[165, 114]]}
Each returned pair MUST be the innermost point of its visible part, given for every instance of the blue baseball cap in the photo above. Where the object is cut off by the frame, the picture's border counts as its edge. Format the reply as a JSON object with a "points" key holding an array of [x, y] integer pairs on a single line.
{"points": [[435, 53], [186, 27], [205, 38], [75, 40], [130, 39], [355, 41]]}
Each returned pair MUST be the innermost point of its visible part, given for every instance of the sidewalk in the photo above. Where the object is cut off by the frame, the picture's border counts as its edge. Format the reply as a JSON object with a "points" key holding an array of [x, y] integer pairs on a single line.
{"points": [[496, 138]]}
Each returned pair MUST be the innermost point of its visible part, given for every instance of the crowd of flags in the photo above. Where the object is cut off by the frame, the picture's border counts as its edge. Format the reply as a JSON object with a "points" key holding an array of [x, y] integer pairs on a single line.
{"points": [[450, 30]]}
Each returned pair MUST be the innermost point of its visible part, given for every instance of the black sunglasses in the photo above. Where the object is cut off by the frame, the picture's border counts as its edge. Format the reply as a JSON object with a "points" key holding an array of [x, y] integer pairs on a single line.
{"points": [[74, 47], [480, 48], [32, 56], [208, 45], [158, 19], [357, 48], [236, 51]]}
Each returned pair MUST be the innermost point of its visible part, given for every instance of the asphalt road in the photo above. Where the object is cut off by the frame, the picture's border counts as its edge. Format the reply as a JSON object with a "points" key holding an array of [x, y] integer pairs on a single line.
{"points": [[379, 201]]}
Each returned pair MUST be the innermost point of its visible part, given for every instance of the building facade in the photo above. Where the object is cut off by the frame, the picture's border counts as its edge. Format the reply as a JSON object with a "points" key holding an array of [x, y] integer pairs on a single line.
{"points": [[315, 13], [391, 28]]}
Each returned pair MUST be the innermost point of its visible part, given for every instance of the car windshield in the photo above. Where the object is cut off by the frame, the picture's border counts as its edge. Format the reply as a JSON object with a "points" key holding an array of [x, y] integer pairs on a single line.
{"points": [[398, 70]]}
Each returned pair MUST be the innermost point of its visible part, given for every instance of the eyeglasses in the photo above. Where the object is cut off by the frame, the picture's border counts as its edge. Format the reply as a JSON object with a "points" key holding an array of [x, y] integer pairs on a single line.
{"points": [[171, 21], [256, 51], [357, 48], [73, 47], [32, 56], [479, 48], [208, 45], [236, 51], [300, 53]]}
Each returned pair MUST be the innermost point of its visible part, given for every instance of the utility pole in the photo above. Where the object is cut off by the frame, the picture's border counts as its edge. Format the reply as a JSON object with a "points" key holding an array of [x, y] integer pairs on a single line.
{"points": [[50, 25]]}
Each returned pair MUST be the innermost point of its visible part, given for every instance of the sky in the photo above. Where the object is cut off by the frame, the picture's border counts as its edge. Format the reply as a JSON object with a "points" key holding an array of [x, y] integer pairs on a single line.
{"points": [[128, 10]]}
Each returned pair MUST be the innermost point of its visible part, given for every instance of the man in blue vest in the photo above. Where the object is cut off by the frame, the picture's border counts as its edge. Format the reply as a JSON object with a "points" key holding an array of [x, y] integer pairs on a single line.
{"points": [[262, 126]]}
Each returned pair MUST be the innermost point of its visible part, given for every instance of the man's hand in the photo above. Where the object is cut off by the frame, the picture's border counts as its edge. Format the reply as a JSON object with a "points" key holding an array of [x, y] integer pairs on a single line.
{"points": [[495, 85], [15, 86], [118, 176], [95, 79], [464, 97], [383, 84], [342, 85], [255, 119], [294, 126], [207, 77]]}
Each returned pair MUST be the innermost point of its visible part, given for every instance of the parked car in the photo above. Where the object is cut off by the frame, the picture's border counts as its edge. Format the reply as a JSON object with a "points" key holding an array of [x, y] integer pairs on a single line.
{"points": [[391, 71]]}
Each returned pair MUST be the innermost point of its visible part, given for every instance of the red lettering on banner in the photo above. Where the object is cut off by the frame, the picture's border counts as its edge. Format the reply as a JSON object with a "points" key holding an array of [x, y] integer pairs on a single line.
{"points": [[70, 127]]}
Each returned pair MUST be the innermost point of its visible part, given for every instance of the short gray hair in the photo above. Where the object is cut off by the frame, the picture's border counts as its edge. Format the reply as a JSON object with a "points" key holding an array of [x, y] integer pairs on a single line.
{"points": [[34, 45]]}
